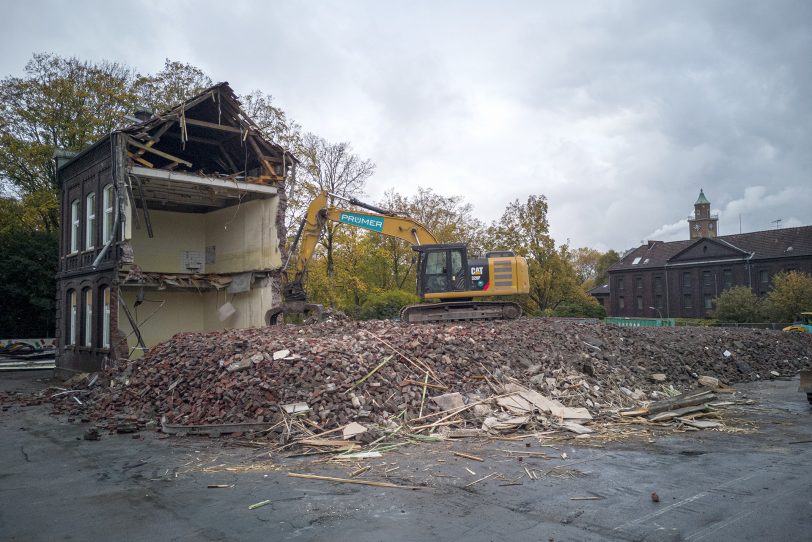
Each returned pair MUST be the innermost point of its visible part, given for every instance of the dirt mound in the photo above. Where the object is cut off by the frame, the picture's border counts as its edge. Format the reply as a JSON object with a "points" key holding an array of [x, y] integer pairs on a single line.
{"points": [[254, 375]]}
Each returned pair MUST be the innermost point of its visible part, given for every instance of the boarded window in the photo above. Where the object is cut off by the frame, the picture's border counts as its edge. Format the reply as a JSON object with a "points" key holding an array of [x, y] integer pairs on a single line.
{"points": [[639, 303], [658, 284], [727, 278], [658, 301], [621, 303], [708, 301], [706, 278]]}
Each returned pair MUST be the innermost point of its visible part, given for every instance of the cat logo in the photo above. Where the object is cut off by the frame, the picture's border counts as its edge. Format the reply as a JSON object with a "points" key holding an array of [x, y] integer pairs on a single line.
{"points": [[476, 272]]}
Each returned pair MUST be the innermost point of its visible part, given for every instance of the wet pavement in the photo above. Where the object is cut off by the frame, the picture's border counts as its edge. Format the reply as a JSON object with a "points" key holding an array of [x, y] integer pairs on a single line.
{"points": [[754, 484]]}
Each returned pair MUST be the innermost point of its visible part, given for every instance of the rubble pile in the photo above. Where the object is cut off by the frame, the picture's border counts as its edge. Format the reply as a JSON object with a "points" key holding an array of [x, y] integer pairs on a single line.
{"points": [[338, 372]]}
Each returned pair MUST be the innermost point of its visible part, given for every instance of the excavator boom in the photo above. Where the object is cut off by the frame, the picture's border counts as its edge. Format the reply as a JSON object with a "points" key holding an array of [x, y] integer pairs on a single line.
{"points": [[444, 271]]}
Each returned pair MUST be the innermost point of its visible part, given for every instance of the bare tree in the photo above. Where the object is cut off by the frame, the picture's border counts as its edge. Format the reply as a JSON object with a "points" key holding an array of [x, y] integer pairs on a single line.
{"points": [[335, 168]]}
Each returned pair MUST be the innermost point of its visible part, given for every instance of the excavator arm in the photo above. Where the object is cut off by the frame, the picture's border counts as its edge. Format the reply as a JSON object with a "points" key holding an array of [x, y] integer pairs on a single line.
{"points": [[318, 214]]}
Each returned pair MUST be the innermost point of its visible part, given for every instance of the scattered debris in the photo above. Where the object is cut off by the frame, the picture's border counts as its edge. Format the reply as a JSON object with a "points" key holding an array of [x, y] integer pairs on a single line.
{"points": [[260, 504], [348, 481]]}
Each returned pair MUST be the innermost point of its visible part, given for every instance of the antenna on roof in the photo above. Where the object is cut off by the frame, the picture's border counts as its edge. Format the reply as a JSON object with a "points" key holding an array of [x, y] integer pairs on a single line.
{"points": [[777, 223]]}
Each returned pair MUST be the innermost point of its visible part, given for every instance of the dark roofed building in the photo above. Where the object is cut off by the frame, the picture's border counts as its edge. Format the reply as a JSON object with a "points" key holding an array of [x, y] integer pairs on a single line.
{"points": [[601, 294], [681, 279]]}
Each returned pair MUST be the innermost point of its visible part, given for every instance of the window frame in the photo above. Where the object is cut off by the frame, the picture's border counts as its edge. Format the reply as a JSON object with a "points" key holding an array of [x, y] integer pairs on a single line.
{"points": [[90, 221], [105, 297], [75, 207], [87, 299], [108, 221], [73, 313]]}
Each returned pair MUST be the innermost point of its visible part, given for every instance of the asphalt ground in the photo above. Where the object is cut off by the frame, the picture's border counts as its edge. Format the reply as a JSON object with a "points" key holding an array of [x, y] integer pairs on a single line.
{"points": [[750, 482]]}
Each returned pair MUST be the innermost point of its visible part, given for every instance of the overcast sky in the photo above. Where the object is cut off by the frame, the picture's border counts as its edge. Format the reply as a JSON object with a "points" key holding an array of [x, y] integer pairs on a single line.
{"points": [[618, 112]]}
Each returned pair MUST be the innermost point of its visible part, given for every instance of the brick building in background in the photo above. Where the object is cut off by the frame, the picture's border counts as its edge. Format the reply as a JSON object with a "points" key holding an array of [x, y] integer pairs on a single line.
{"points": [[681, 279]]}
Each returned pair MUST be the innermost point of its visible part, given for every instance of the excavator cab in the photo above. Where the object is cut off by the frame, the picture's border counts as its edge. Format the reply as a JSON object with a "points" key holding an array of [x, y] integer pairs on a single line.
{"points": [[442, 268]]}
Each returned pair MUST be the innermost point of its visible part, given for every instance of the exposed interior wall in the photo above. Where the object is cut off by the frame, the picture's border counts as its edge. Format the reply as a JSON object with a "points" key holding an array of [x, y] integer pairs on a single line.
{"points": [[245, 237], [231, 240], [192, 311]]}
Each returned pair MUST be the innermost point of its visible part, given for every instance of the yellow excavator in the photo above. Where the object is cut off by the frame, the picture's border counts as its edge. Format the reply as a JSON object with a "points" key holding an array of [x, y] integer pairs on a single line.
{"points": [[456, 287]]}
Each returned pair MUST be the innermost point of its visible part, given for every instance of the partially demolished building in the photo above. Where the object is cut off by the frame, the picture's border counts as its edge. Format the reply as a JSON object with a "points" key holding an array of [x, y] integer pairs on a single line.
{"points": [[175, 223]]}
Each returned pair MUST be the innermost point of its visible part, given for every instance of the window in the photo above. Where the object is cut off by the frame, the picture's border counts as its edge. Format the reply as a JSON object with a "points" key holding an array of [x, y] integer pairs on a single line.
{"points": [[639, 283], [706, 278], [621, 303], [620, 285], [637, 260], [88, 317], [658, 301], [74, 226], [72, 315], [436, 272], [90, 220], [708, 301], [658, 284], [105, 317], [107, 225], [687, 302], [727, 278], [639, 303], [764, 276], [686, 279]]}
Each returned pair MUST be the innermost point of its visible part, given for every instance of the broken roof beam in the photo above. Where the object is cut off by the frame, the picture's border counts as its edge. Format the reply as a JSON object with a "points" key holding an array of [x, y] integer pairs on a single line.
{"points": [[215, 126], [156, 152], [202, 180]]}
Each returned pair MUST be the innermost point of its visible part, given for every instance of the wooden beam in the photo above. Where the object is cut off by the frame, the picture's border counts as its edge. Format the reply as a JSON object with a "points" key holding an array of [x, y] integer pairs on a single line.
{"points": [[162, 154], [140, 160], [214, 126]]}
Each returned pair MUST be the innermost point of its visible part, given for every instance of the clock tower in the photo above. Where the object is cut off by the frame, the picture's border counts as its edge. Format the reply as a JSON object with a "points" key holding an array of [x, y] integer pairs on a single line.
{"points": [[702, 224]]}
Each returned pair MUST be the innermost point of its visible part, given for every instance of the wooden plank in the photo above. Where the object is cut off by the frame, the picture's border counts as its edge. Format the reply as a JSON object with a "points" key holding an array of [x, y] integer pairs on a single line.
{"points": [[140, 160], [671, 414], [162, 154], [348, 481], [214, 126]]}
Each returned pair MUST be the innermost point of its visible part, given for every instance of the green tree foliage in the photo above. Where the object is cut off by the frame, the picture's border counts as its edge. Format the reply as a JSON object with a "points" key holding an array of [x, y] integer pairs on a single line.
{"points": [[524, 229], [605, 261], [173, 85], [739, 304], [60, 103], [790, 295], [585, 263], [27, 284], [386, 305]]}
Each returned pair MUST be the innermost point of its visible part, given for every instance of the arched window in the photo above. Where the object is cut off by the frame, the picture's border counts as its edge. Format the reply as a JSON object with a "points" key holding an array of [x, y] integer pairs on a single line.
{"points": [[105, 295], [72, 315], [90, 220], [88, 317], [107, 224], [74, 226]]}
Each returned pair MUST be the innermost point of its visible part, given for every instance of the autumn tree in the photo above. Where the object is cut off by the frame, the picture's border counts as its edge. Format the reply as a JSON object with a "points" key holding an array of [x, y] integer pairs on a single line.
{"points": [[789, 296], [605, 261], [739, 304], [335, 168], [60, 103], [584, 261], [174, 84]]}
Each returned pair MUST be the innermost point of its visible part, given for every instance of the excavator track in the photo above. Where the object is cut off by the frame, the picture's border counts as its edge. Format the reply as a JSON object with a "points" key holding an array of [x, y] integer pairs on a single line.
{"points": [[460, 310]]}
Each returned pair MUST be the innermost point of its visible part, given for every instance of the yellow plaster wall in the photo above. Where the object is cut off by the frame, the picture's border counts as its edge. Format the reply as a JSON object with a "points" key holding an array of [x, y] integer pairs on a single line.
{"points": [[173, 233], [182, 311], [192, 311], [245, 237]]}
